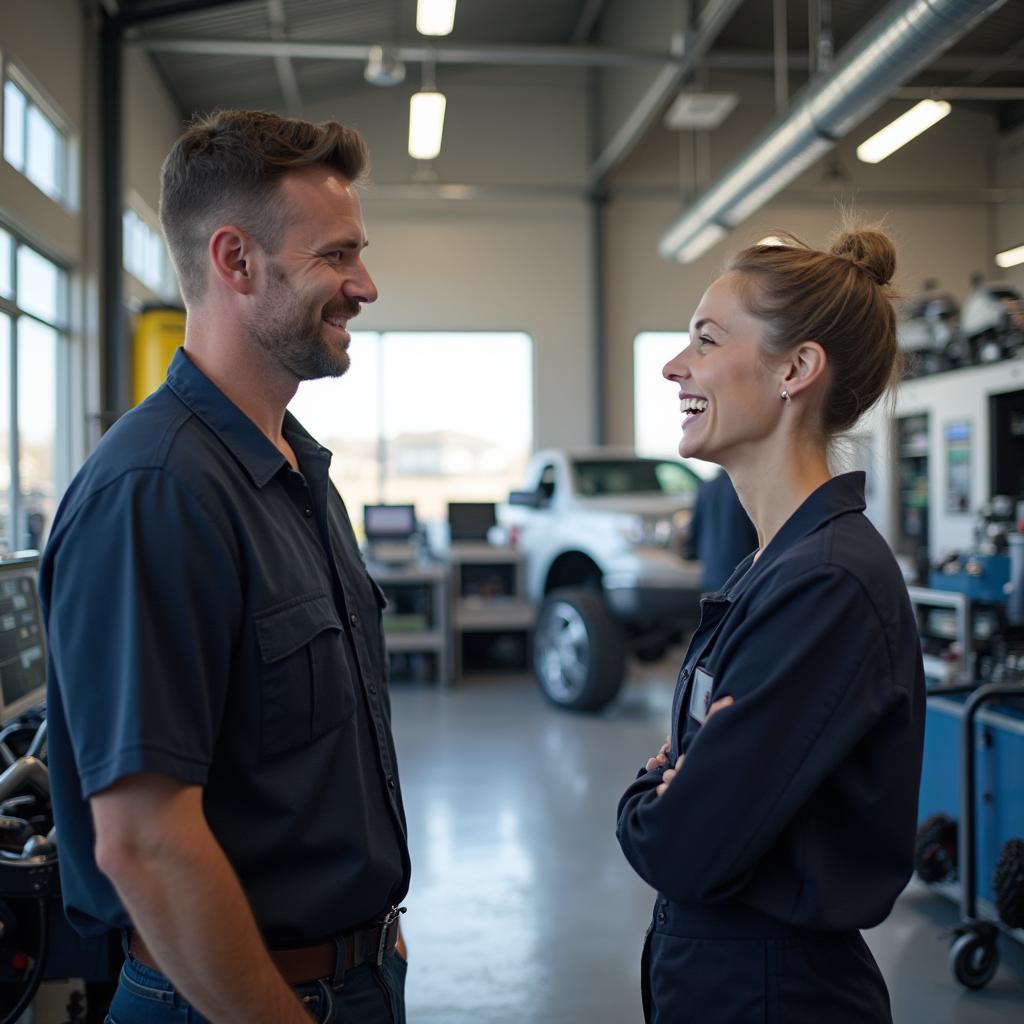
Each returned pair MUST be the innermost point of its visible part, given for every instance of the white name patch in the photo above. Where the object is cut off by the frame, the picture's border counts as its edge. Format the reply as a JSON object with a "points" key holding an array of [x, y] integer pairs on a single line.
{"points": [[700, 695]]}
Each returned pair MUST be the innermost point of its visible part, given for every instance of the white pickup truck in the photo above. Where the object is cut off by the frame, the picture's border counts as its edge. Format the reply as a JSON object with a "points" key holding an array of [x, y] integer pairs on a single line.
{"points": [[604, 533]]}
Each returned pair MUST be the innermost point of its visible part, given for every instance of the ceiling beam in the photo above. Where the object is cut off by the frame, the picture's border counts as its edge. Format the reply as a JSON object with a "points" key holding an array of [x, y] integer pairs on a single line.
{"points": [[283, 64], [448, 53], [531, 56], [586, 22], [713, 18], [796, 195]]}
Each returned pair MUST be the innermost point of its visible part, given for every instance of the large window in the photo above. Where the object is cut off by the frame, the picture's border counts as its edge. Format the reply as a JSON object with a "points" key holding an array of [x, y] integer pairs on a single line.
{"points": [[656, 415], [33, 346], [425, 418], [34, 142]]}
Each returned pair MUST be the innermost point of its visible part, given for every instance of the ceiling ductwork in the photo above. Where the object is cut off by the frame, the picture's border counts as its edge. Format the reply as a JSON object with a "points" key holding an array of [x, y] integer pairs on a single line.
{"points": [[894, 47]]}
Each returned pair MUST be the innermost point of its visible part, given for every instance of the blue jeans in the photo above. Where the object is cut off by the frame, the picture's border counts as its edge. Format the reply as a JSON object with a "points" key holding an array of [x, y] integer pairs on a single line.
{"points": [[370, 995]]}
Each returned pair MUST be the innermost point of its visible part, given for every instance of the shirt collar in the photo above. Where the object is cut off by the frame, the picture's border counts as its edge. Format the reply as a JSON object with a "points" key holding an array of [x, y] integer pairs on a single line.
{"points": [[246, 442], [835, 497]]}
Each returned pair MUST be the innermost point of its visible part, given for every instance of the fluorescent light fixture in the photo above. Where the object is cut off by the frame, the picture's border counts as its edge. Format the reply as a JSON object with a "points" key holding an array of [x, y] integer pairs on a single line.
{"points": [[1010, 257], [426, 122], [708, 236], [435, 17], [776, 182], [907, 126]]}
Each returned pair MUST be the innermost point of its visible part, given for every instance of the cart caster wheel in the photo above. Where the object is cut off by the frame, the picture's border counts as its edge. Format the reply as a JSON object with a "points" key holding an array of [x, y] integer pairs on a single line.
{"points": [[973, 959]]}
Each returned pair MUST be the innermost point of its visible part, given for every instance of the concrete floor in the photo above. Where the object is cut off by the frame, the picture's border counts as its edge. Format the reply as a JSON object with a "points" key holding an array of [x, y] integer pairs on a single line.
{"points": [[523, 910]]}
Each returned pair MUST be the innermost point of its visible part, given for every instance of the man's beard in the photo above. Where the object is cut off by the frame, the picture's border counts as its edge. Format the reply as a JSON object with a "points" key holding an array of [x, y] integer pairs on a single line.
{"points": [[282, 328]]}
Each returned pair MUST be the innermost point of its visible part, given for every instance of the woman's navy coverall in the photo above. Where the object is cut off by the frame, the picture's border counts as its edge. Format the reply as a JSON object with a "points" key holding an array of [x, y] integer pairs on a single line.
{"points": [[790, 825]]}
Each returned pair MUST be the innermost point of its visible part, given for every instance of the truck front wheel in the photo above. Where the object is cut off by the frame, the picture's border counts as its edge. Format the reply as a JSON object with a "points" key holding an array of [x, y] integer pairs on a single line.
{"points": [[579, 652]]}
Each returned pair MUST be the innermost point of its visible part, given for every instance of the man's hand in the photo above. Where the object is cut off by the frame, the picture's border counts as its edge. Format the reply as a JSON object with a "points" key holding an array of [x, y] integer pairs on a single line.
{"points": [[661, 757], [670, 773]]}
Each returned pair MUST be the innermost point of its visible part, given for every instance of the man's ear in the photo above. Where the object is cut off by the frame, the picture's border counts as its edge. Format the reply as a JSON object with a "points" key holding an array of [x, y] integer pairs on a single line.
{"points": [[231, 251], [806, 363]]}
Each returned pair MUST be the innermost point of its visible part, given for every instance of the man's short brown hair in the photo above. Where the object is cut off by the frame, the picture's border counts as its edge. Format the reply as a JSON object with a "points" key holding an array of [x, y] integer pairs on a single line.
{"points": [[226, 168]]}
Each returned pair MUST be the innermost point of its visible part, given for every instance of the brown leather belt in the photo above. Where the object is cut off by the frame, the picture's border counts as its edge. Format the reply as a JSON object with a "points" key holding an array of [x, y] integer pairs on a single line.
{"points": [[370, 944]]}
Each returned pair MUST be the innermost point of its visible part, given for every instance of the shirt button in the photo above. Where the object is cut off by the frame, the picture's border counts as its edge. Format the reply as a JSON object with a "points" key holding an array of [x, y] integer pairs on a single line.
{"points": [[373, 688], [391, 782], [354, 619], [307, 512]]}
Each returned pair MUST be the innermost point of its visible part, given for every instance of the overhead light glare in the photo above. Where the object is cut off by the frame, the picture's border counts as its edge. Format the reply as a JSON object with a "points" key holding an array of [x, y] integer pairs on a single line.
{"points": [[426, 123], [435, 17], [1010, 257], [708, 236], [907, 126]]}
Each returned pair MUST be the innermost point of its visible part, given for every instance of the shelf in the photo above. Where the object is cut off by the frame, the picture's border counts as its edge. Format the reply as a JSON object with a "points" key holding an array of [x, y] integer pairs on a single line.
{"points": [[491, 618], [424, 641], [416, 621], [496, 614]]}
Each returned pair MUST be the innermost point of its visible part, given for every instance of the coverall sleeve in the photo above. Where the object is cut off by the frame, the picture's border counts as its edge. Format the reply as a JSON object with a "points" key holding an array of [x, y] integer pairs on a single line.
{"points": [[810, 674], [144, 611]]}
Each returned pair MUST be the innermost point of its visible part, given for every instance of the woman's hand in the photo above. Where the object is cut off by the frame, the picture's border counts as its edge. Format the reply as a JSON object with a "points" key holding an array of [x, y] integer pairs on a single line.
{"points": [[670, 773], [661, 757]]}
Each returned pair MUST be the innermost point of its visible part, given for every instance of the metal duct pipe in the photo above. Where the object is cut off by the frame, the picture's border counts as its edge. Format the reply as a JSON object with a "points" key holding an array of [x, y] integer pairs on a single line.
{"points": [[893, 47]]}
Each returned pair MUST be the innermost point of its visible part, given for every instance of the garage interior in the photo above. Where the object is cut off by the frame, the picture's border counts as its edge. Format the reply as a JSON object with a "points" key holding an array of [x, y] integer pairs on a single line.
{"points": [[599, 162]]}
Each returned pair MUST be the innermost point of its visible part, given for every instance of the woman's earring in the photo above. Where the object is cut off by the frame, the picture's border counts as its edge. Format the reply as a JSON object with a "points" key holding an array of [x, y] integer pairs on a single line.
{"points": [[784, 395]]}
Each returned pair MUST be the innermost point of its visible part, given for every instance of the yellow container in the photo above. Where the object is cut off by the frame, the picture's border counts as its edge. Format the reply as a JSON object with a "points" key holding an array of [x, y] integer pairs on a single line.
{"points": [[159, 332]]}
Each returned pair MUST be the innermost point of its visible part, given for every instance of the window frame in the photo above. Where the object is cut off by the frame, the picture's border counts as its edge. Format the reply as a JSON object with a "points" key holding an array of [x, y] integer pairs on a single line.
{"points": [[36, 97], [14, 535]]}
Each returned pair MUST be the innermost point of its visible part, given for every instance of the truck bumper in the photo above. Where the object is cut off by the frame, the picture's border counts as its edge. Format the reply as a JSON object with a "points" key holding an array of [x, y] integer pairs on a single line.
{"points": [[670, 603]]}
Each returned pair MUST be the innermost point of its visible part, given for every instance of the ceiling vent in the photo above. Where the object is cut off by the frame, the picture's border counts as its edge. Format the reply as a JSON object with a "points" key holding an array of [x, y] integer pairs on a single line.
{"points": [[703, 110]]}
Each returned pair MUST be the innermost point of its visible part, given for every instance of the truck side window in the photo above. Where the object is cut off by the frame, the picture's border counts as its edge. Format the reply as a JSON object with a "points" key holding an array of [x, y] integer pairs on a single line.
{"points": [[547, 483]]}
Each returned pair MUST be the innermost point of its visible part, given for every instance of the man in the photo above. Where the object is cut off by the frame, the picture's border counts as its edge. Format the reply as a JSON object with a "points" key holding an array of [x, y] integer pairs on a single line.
{"points": [[224, 777], [721, 533]]}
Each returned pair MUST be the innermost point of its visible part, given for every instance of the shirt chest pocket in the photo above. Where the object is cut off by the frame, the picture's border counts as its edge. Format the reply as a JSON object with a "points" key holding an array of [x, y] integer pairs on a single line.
{"points": [[306, 684]]}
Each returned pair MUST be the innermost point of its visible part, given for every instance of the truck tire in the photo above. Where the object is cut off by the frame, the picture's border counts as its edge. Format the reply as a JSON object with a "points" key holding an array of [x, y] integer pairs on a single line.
{"points": [[579, 651]]}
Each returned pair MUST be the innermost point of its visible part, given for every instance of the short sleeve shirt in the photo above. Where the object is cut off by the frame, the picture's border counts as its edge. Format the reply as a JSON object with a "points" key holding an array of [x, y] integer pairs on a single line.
{"points": [[210, 618]]}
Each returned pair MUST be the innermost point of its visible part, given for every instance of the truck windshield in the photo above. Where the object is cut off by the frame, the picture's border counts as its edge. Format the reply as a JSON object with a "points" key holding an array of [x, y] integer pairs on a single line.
{"points": [[627, 476]]}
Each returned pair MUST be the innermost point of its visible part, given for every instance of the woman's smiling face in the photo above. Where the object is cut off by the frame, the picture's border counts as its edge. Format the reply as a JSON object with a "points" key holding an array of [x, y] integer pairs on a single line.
{"points": [[728, 393]]}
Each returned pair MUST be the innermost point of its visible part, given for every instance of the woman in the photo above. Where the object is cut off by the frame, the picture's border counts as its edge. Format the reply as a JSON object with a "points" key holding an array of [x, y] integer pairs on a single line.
{"points": [[779, 818]]}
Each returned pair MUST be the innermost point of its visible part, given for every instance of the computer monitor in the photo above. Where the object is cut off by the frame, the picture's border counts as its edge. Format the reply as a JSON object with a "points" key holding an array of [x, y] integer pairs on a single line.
{"points": [[22, 641], [470, 520], [389, 522]]}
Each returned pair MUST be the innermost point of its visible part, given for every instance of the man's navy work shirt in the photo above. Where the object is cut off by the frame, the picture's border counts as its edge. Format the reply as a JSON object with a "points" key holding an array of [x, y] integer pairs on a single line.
{"points": [[210, 619], [799, 801], [721, 533]]}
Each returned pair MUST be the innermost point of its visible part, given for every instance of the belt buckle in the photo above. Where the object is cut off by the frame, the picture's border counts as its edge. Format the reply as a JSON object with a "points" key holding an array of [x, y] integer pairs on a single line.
{"points": [[390, 918]]}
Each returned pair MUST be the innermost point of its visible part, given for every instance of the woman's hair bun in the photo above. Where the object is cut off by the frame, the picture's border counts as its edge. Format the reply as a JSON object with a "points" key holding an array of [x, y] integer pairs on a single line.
{"points": [[869, 249]]}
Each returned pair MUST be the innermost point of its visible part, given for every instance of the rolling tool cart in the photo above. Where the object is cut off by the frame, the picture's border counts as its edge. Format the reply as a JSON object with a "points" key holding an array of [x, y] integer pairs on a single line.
{"points": [[974, 766], [974, 955]]}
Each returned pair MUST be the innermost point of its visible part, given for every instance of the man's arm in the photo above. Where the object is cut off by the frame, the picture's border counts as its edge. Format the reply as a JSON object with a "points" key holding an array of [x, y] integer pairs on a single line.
{"points": [[153, 843]]}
